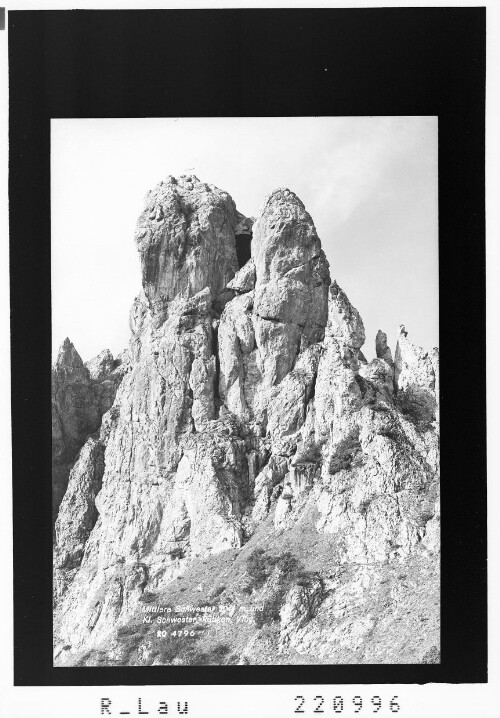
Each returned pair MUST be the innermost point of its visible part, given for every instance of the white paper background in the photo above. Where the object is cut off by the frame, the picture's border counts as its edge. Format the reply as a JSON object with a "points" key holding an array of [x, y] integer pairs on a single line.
{"points": [[430, 701]]}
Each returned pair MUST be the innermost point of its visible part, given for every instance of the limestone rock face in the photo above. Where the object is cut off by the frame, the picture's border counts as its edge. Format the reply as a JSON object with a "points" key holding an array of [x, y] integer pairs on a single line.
{"points": [[284, 309], [100, 366], [185, 238], [344, 321], [381, 348], [81, 394], [244, 411], [415, 379], [244, 280], [288, 403], [292, 279], [300, 606], [77, 513], [435, 366]]}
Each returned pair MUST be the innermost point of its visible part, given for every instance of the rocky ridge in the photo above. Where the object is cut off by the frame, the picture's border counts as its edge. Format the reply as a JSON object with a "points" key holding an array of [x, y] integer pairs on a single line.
{"points": [[243, 414], [81, 395]]}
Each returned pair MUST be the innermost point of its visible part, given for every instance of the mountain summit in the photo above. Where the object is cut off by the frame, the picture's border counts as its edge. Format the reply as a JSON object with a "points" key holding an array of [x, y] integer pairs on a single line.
{"points": [[244, 459]]}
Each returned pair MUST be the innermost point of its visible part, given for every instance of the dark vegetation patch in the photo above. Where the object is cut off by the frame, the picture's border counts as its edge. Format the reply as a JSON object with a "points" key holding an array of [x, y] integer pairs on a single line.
{"points": [[260, 565], [348, 454], [287, 571], [433, 655], [417, 406], [390, 434], [148, 597]]}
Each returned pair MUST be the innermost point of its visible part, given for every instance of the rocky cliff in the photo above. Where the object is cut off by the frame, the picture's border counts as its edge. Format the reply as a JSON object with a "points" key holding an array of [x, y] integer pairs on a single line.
{"points": [[244, 460], [81, 394]]}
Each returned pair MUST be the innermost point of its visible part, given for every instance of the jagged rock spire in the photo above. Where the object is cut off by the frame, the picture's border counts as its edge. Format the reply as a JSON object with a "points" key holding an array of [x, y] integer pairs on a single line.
{"points": [[81, 394], [381, 348], [67, 356], [186, 239], [292, 279], [344, 321], [416, 378]]}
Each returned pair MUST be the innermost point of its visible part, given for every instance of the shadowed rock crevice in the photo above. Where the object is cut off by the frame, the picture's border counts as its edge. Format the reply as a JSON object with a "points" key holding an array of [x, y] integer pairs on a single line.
{"points": [[243, 248], [215, 353]]}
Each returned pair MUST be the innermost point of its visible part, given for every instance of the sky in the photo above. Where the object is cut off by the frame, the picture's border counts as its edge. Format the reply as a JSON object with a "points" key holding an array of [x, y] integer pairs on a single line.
{"points": [[369, 183]]}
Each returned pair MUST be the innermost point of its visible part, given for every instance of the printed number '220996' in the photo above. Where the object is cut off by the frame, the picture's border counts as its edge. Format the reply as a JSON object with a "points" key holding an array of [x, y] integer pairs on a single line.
{"points": [[338, 704]]}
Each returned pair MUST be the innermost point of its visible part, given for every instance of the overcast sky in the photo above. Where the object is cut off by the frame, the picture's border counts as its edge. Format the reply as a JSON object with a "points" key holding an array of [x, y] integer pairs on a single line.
{"points": [[369, 183]]}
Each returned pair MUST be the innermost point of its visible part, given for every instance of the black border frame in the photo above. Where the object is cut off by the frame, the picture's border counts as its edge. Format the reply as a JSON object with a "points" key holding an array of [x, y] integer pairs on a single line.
{"points": [[198, 63]]}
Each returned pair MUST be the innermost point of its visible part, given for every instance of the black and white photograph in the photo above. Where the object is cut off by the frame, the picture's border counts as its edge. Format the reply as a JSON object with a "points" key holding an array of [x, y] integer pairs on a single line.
{"points": [[245, 391], [246, 373]]}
